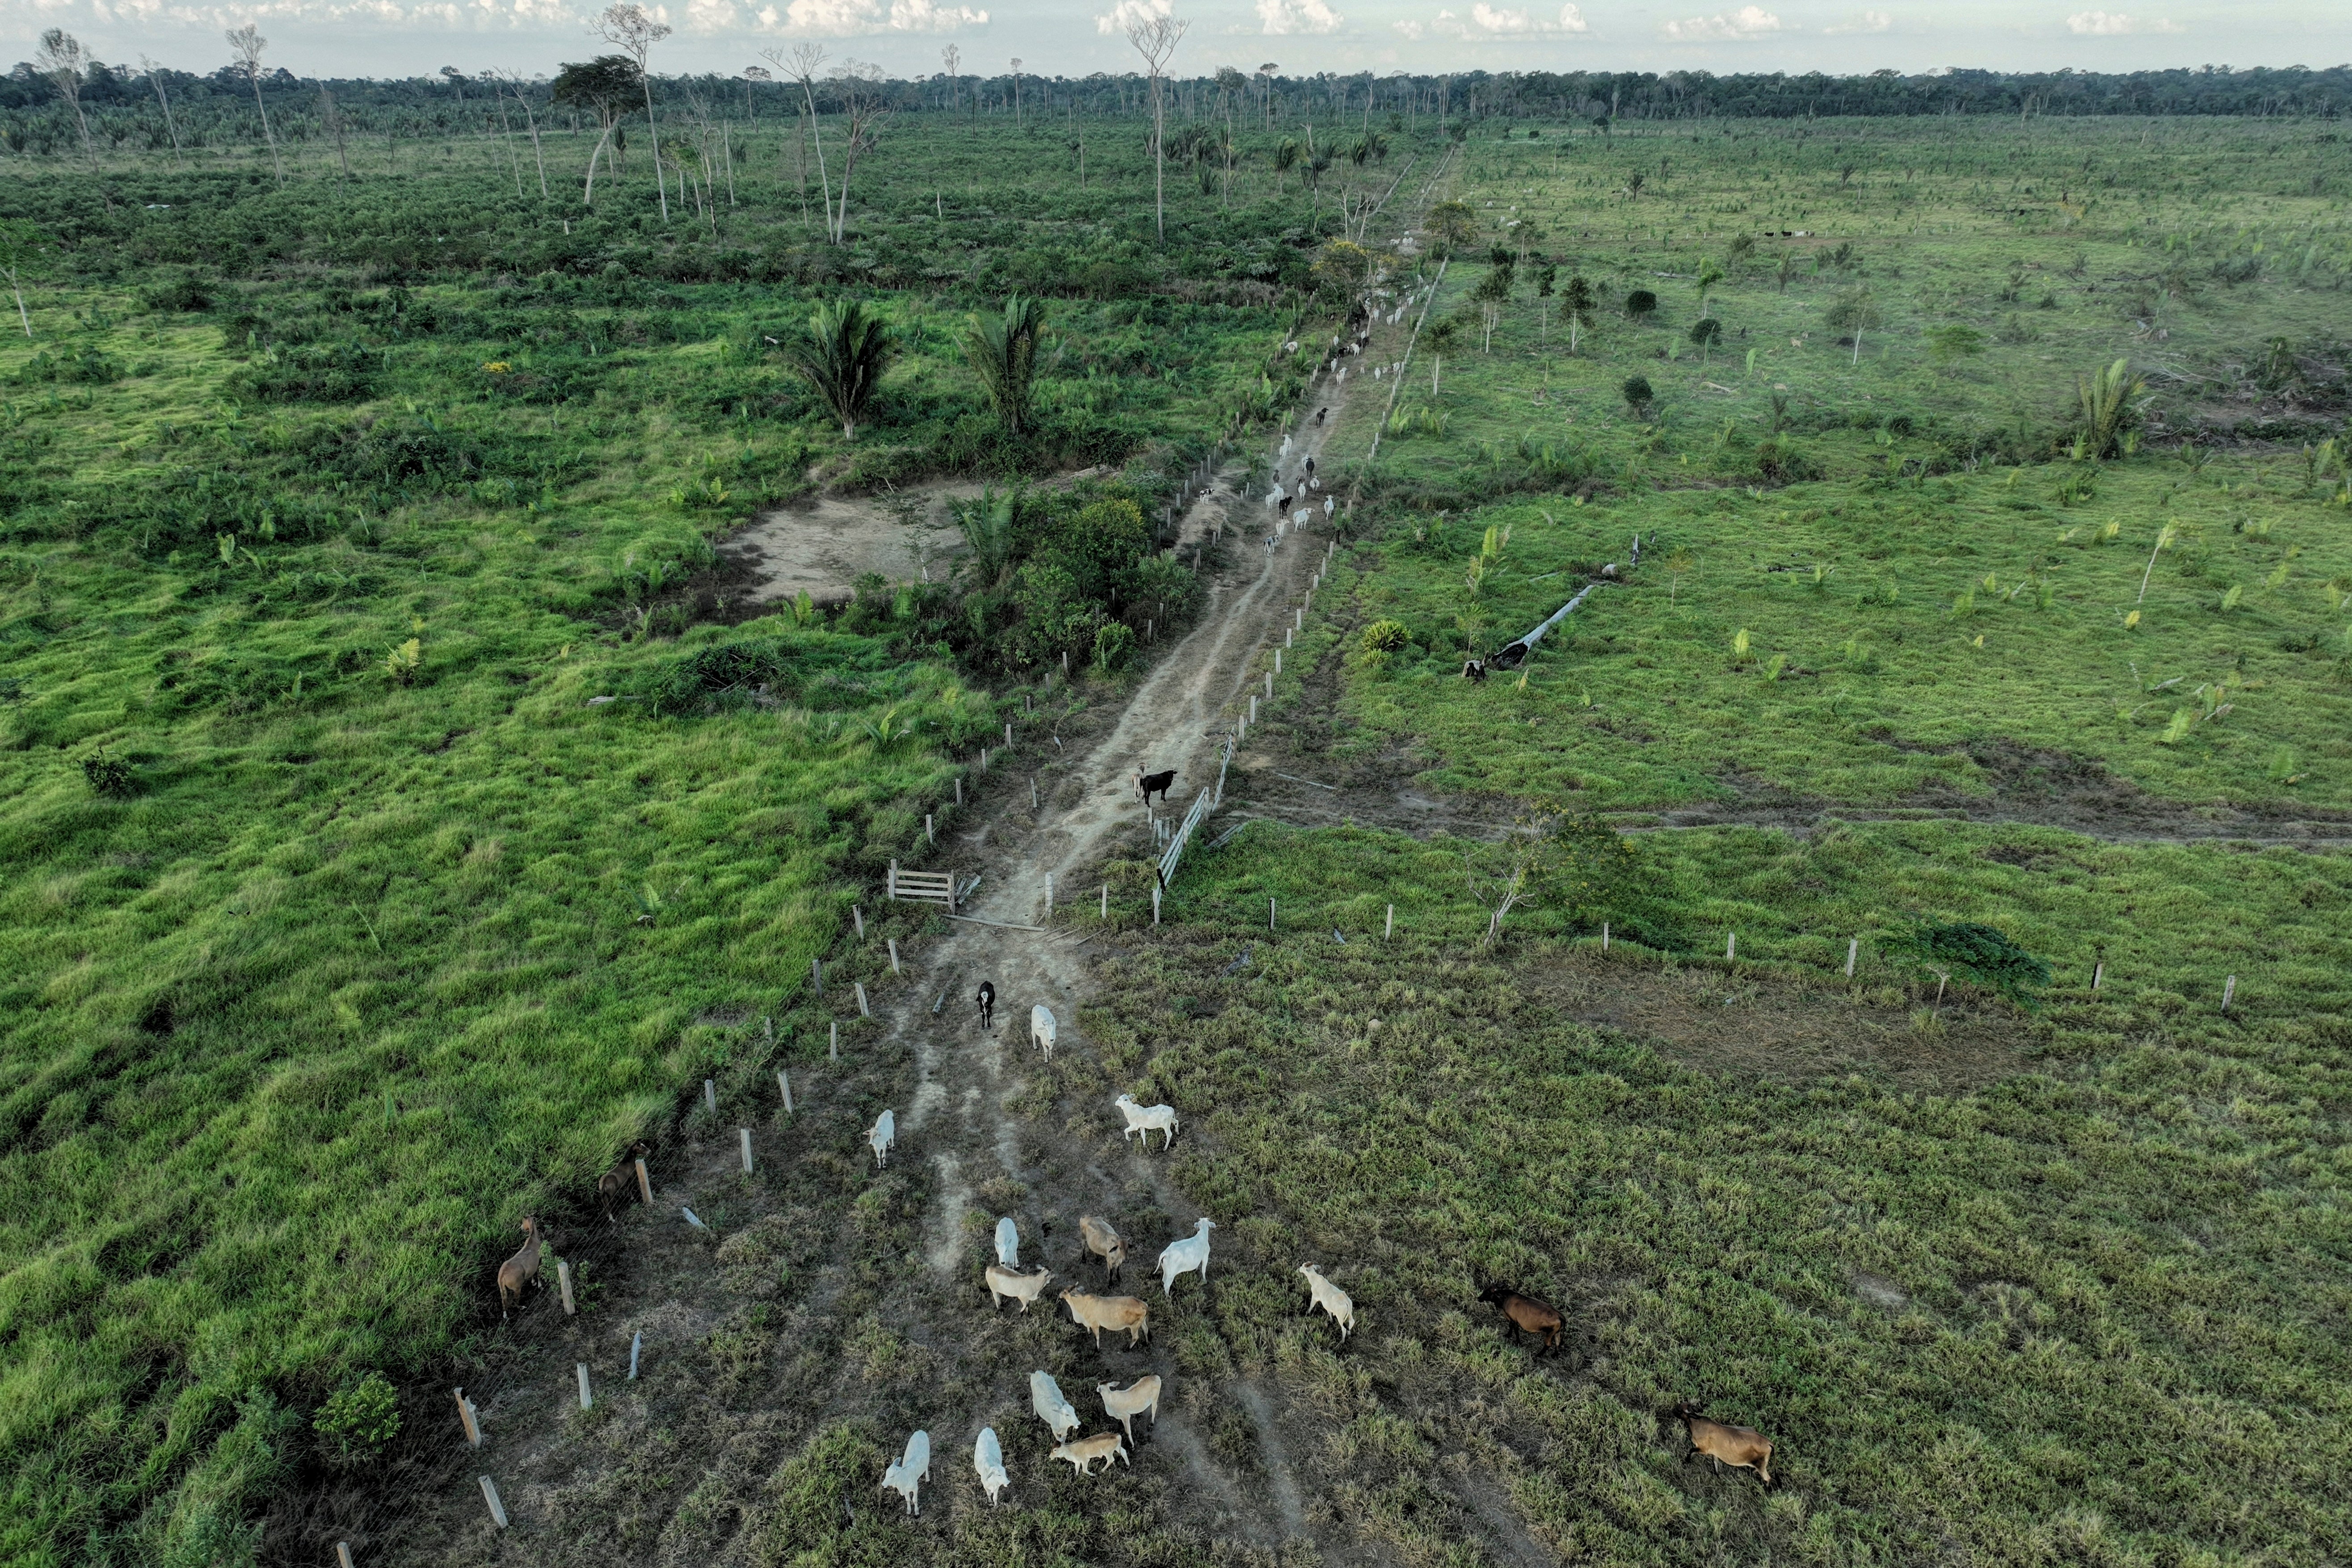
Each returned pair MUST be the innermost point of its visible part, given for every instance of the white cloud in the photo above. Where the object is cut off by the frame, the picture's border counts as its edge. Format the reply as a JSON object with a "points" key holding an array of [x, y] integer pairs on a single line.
{"points": [[1127, 14], [1410, 30], [1485, 18], [1747, 22], [2115, 25], [1278, 17], [860, 18], [1867, 22]]}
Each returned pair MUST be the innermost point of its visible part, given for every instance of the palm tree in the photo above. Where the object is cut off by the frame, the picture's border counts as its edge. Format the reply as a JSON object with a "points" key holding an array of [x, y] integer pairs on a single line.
{"points": [[842, 357], [1003, 351]]}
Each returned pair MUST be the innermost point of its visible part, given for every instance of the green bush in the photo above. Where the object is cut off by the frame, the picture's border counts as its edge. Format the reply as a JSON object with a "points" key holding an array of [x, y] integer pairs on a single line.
{"points": [[1638, 393], [359, 1419], [1386, 637], [1114, 640], [1640, 304], [1978, 954]]}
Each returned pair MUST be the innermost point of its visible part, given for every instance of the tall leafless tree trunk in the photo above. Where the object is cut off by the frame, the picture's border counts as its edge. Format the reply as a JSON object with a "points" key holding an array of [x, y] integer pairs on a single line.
{"points": [[248, 43], [155, 79], [861, 90], [628, 26], [334, 122], [1156, 40], [63, 62], [802, 67]]}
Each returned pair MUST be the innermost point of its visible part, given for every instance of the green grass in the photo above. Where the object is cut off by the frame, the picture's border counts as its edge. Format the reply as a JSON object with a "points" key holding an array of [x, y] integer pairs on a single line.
{"points": [[2111, 1340]]}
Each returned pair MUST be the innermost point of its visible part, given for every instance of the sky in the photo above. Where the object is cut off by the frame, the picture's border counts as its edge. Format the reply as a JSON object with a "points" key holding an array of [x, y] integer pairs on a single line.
{"points": [[413, 37]]}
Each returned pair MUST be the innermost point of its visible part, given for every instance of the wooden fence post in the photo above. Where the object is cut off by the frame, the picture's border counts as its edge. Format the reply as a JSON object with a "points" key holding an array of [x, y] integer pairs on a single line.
{"points": [[1604, 936], [2098, 973], [1049, 895], [1853, 951], [1269, 914], [858, 916], [490, 1496], [710, 1097], [894, 954], [586, 1401], [1008, 733], [1106, 903], [466, 1416], [1155, 903], [817, 965], [745, 1134], [1389, 930], [785, 1085], [645, 1184], [564, 1284], [342, 1554], [958, 789], [833, 1051], [1269, 679], [1730, 945], [928, 835], [636, 1343], [863, 1010], [2229, 991]]}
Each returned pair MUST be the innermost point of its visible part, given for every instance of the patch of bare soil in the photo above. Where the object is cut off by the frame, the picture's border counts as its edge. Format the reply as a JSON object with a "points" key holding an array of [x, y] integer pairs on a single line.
{"points": [[1783, 1028], [823, 545]]}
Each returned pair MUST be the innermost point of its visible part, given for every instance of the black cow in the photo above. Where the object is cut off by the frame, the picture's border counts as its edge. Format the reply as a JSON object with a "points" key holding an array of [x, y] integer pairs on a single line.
{"points": [[1148, 785], [987, 1004]]}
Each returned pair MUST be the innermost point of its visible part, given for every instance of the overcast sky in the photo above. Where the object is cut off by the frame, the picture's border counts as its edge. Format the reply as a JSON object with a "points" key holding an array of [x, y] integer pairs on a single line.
{"points": [[396, 37]]}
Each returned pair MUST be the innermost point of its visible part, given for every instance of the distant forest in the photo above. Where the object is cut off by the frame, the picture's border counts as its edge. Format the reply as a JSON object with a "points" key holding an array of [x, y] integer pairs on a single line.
{"points": [[127, 108]]}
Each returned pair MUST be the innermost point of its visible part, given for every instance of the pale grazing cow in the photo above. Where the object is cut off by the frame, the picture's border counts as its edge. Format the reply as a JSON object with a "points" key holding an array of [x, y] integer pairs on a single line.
{"points": [[1331, 1298], [1183, 1256], [1105, 1244], [881, 1135], [1008, 1242], [914, 1467], [1147, 1120], [1137, 1398], [988, 1458], [1041, 1028], [1056, 1411], [1083, 1453], [1023, 1287]]}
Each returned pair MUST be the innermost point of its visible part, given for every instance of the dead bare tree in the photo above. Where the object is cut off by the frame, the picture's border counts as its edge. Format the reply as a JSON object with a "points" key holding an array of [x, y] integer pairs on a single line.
{"points": [[861, 91], [801, 66], [951, 58], [65, 62], [513, 82], [155, 79], [1156, 41], [247, 43], [626, 26], [333, 121]]}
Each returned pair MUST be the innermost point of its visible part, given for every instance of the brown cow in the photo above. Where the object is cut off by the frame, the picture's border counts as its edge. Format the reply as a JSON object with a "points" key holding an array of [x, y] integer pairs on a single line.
{"points": [[1112, 1312], [1525, 1312], [519, 1271], [612, 1186], [1742, 1448]]}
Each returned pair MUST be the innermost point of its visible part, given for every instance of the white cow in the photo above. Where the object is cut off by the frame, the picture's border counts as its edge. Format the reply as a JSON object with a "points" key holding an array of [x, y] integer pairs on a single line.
{"points": [[882, 1134], [913, 1469], [1045, 1399], [988, 1458], [1184, 1256], [1147, 1120], [1008, 1242], [1041, 1028]]}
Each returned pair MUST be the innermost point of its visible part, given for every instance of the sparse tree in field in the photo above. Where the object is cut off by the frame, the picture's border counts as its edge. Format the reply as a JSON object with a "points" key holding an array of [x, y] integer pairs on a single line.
{"points": [[1016, 92], [25, 250], [861, 92], [1639, 395], [1578, 303], [626, 26], [1156, 41], [604, 87], [841, 357], [65, 62], [1514, 872], [155, 79], [333, 122], [1709, 275], [512, 83], [247, 43], [1450, 224], [801, 65], [1856, 312], [951, 58], [1003, 351], [1265, 74], [1286, 158]]}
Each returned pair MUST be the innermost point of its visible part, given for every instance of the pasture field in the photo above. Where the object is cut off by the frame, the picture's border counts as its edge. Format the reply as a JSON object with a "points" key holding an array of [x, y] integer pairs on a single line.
{"points": [[343, 923]]}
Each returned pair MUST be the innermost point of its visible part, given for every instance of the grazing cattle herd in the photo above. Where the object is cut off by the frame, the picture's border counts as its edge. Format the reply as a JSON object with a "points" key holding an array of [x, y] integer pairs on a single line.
{"points": [[1723, 1444]]}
